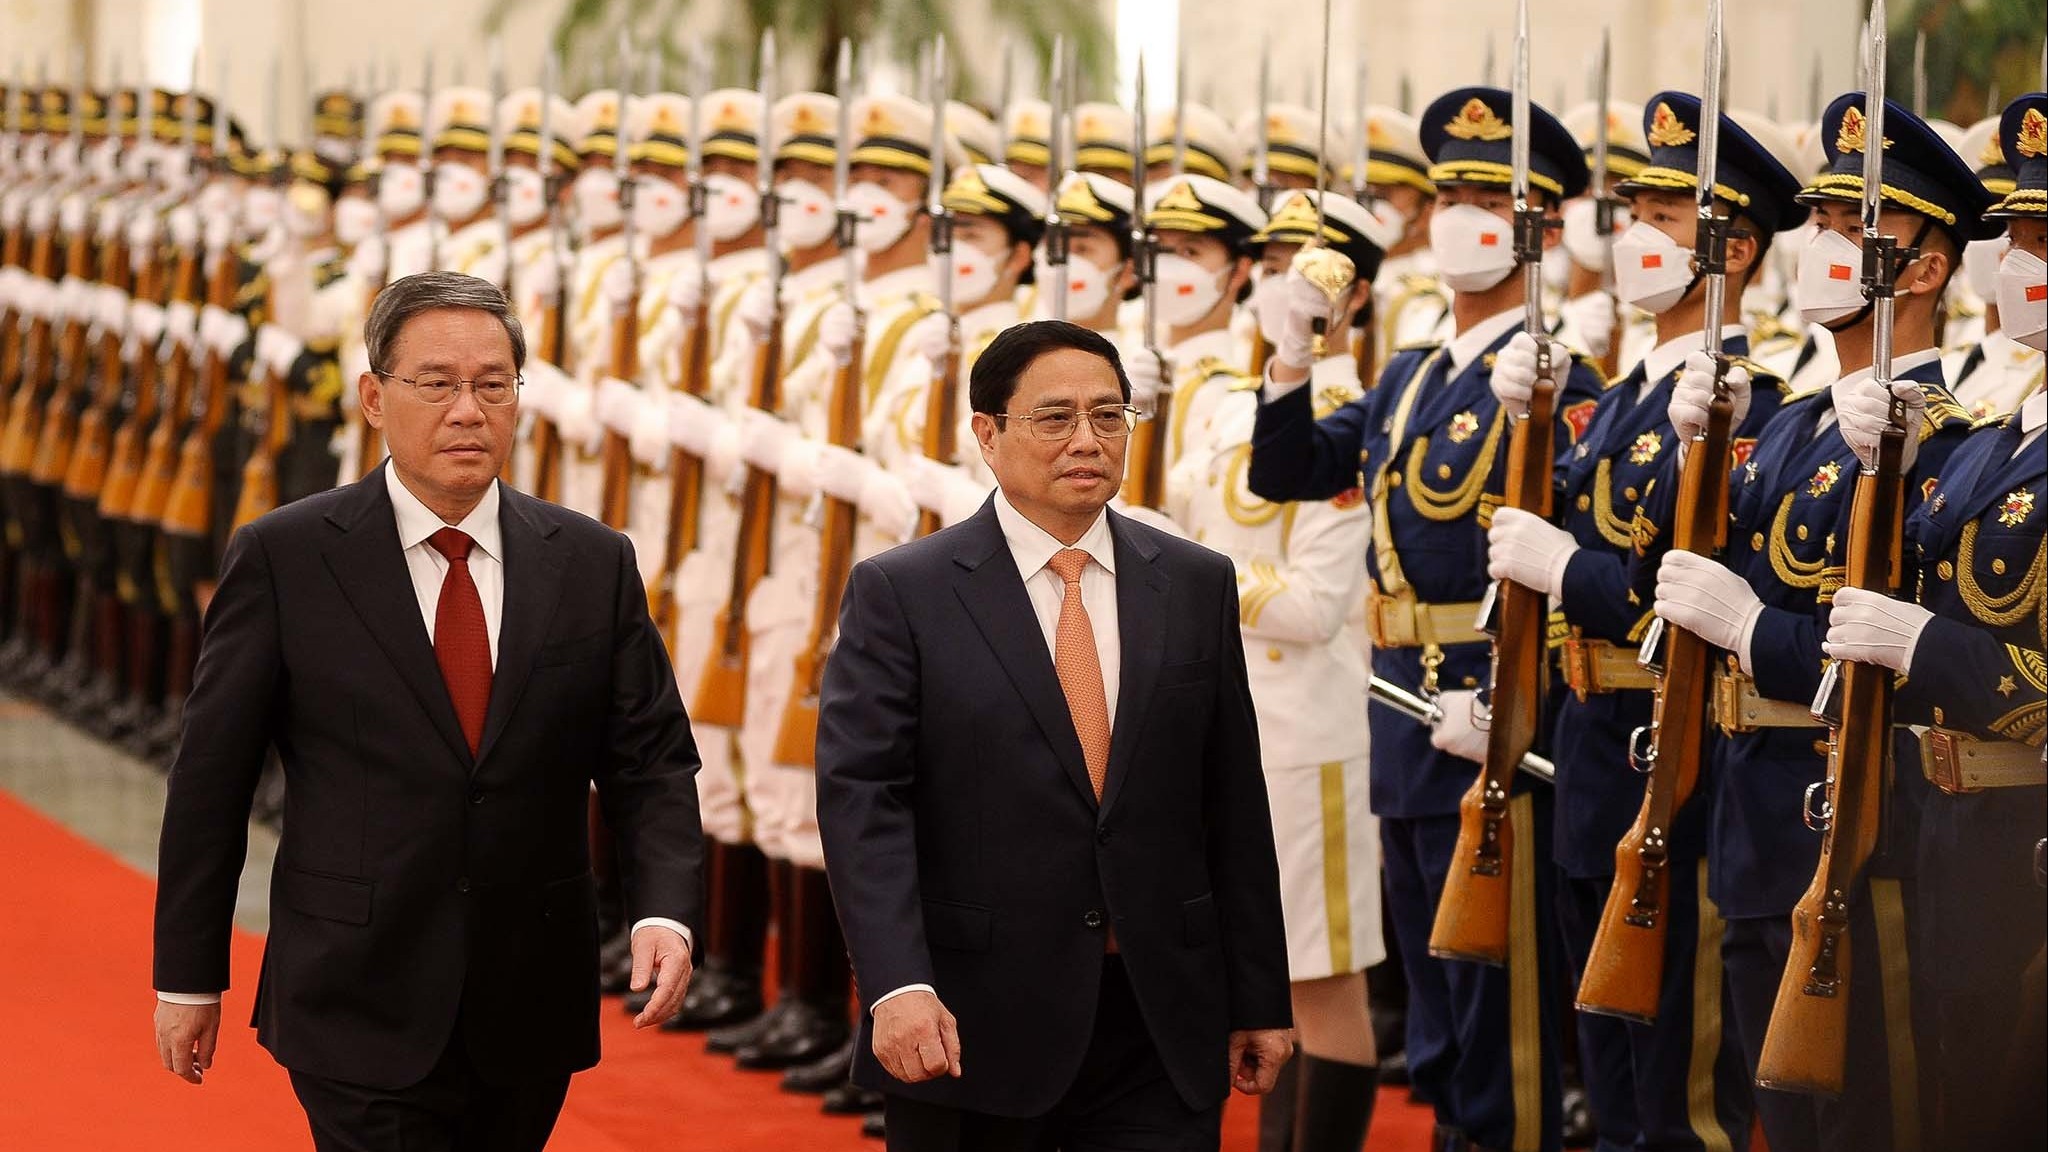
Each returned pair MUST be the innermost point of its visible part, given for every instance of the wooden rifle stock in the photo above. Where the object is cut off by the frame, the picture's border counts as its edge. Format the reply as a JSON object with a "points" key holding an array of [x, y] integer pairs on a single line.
{"points": [[941, 425], [796, 739], [24, 411], [86, 474], [685, 476], [70, 371], [722, 692], [1807, 1041], [1473, 914], [171, 398], [1625, 969], [188, 506], [547, 439], [11, 256], [615, 505], [1145, 462]]}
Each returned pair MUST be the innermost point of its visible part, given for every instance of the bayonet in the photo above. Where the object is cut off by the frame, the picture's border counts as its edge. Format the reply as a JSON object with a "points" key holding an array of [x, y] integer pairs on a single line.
{"points": [[1261, 171], [935, 200], [1920, 74], [494, 160], [1180, 115], [1141, 232], [1813, 89], [1006, 77], [1055, 227], [1406, 99], [842, 179], [425, 161], [622, 160], [1361, 148], [764, 171], [1321, 265], [1604, 201], [1486, 65]]}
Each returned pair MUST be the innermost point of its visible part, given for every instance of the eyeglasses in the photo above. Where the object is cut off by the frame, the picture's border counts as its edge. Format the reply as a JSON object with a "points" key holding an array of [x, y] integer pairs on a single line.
{"points": [[492, 390], [1110, 422]]}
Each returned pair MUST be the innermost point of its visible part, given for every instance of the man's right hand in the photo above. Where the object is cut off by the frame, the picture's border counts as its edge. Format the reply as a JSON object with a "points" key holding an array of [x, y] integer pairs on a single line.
{"points": [[916, 1039], [186, 1035]]}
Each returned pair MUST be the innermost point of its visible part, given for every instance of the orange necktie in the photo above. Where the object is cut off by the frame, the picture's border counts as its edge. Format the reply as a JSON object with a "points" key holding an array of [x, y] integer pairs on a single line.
{"points": [[1080, 668]]}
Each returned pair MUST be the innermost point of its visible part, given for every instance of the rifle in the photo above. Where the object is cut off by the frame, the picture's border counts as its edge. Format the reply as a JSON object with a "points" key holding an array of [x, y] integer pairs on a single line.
{"points": [[1057, 130], [86, 473], [796, 737], [1807, 1041], [686, 471], [70, 369], [1365, 349], [26, 374], [1625, 969], [11, 253], [371, 453], [1605, 202], [1473, 914], [721, 697], [266, 404], [1262, 181], [1145, 460], [615, 503], [551, 342], [942, 401]]}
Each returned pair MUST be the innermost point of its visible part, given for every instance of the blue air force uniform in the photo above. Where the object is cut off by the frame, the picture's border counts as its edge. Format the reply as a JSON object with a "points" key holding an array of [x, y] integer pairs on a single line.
{"points": [[1429, 445]]}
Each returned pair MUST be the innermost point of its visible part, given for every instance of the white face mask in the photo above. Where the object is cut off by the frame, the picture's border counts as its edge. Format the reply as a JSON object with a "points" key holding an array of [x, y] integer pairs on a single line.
{"points": [[597, 200], [1087, 286], [1785, 253], [136, 160], [1557, 269], [1187, 292], [459, 192], [401, 190], [35, 156], [974, 276], [2023, 298], [731, 206], [1651, 270], [1582, 233], [260, 209], [1980, 266], [216, 199], [807, 216], [1474, 249], [882, 218], [306, 211], [1830, 278], [659, 207], [355, 218], [104, 163], [525, 196], [1269, 306], [1390, 218]]}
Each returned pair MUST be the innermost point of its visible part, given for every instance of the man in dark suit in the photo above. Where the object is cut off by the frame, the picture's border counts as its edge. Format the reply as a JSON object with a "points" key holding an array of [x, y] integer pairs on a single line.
{"points": [[1041, 802], [446, 666]]}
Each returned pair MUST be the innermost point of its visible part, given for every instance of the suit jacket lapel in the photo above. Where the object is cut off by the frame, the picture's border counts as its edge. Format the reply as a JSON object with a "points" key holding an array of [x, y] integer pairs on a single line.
{"points": [[994, 596], [1141, 590], [533, 586], [370, 567]]}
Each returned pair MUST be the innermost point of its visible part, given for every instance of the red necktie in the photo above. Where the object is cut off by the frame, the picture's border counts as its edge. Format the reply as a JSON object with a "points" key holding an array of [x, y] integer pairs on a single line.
{"points": [[462, 642]]}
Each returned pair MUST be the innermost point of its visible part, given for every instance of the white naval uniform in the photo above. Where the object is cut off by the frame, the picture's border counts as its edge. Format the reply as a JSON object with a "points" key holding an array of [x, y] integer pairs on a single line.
{"points": [[1301, 587], [1204, 367], [530, 304], [1994, 382], [589, 326], [472, 249], [1411, 304], [729, 804]]}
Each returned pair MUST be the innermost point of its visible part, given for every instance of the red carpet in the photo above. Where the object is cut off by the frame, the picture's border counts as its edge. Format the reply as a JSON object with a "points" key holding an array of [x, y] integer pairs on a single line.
{"points": [[80, 1071]]}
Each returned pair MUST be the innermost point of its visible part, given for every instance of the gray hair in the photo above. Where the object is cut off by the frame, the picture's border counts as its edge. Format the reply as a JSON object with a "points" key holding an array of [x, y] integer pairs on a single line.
{"points": [[403, 299]]}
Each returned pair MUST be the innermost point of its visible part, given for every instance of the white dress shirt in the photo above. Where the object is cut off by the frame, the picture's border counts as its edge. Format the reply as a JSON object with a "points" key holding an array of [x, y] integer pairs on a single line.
{"points": [[1031, 547], [428, 568]]}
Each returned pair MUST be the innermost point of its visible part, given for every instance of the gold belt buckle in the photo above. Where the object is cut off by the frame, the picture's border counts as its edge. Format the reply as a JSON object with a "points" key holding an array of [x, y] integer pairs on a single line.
{"points": [[1944, 762], [1728, 704], [1380, 624], [1578, 669]]}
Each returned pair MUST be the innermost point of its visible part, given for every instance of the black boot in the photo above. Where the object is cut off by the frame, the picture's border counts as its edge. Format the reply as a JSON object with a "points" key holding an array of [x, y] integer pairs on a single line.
{"points": [[850, 1099], [1334, 1108], [1276, 1109], [820, 1076], [728, 990], [782, 903], [820, 983], [873, 1127]]}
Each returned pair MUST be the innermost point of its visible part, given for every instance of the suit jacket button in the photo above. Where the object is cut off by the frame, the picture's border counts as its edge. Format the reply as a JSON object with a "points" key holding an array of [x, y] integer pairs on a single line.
{"points": [[462, 885], [1102, 835], [476, 795], [1093, 919]]}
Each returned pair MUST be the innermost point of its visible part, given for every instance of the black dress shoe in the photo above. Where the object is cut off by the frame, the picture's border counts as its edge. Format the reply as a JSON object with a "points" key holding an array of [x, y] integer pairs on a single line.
{"points": [[1394, 1069], [872, 1126], [615, 970], [718, 998], [808, 1032], [822, 1075], [851, 1100], [734, 1037]]}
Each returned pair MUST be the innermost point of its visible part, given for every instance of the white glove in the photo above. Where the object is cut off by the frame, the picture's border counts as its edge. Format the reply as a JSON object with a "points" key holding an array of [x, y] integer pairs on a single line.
{"points": [[929, 481], [1694, 391], [145, 322], [1591, 318], [181, 320], [1514, 371], [544, 387], [73, 214], [222, 330], [184, 225], [220, 232], [576, 417], [540, 279], [648, 439], [929, 337], [1528, 550], [38, 297], [885, 501], [835, 333], [842, 473], [722, 456], [618, 404], [276, 348], [10, 286], [798, 476], [1706, 599], [1865, 412], [686, 291], [1147, 381], [74, 299], [1872, 628], [756, 310], [763, 439], [1458, 732], [112, 311], [1305, 304], [42, 214], [142, 231], [621, 281], [693, 424]]}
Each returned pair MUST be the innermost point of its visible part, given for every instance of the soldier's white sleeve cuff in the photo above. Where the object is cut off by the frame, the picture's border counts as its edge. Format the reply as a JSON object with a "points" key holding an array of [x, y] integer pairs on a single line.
{"points": [[189, 998], [907, 988], [675, 926], [1272, 390], [1748, 641]]}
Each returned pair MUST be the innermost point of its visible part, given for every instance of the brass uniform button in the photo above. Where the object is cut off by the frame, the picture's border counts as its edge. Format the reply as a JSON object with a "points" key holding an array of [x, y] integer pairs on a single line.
{"points": [[1443, 471], [1756, 542], [1585, 502], [1998, 567], [1628, 493], [1800, 532], [1945, 570], [1273, 654]]}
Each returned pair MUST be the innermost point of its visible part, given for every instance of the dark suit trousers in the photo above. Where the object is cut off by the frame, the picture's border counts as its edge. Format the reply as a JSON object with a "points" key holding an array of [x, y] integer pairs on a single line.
{"points": [[1120, 1101], [452, 1110]]}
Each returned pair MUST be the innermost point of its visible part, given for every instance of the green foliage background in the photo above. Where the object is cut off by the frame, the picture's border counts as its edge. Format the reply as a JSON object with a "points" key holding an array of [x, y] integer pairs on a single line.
{"points": [[1980, 54]]}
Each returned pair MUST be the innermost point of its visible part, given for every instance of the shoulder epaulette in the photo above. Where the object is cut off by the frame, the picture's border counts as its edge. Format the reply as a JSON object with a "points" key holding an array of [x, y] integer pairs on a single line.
{"points": [[1209, 366], [1758, 374], [1994, 420], [1943, 411]]}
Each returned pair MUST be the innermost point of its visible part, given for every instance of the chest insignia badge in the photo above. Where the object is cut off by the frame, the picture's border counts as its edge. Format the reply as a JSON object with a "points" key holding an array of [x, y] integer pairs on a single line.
{"points": [[1463, 425], [1646, 448], [1824, 479], [2018, 506]]}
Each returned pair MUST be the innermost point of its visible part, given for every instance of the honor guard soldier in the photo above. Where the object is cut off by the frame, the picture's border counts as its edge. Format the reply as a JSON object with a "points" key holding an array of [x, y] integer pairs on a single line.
{"points": [[1027, 151], [734, 124], [1765, 602], [1427, 444], [1205, 256], [1970, 652], [1410, 304], [535, 271], [1677, 1081], [1300, 578], [471, 233], [1587, 319], [1207, 147], [1803, 354], [399, 126], [1989, 370], [312, 298], [1102, 141], [600, 222], [802, 128], [974, 133], [1294, 158]]}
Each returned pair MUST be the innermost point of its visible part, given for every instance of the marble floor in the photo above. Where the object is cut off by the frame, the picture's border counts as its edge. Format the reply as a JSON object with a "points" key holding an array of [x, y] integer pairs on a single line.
{"points": [[106, 796]]}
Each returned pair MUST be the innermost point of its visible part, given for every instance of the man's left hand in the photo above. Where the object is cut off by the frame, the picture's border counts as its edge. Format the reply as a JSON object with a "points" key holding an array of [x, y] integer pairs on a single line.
{"points": [[662, 956], [1256, 1056]]}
